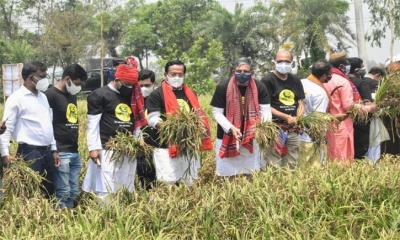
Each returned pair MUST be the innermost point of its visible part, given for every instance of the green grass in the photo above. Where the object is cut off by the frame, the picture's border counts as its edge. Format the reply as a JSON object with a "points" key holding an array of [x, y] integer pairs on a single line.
{"points": [[337, 202]]}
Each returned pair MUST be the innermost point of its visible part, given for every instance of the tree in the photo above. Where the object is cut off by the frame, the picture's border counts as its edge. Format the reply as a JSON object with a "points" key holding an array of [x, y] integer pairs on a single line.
{"points": [[138, 37], [310, 24], [66, 36], [202, 60], [243, 33], [385, 15], [173, 22]]}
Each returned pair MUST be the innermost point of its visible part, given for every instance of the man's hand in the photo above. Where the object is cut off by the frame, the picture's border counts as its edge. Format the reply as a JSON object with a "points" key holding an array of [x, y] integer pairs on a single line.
{"points": [[6, 161], [369, 107], [291, 120], [95, 156], [236, 133], [56, 158]]}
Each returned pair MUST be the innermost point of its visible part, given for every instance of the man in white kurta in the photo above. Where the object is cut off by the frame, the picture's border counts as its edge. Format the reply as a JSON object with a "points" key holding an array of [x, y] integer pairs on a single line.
{"points": [[174, 94], [316, 100], [238, 104]]}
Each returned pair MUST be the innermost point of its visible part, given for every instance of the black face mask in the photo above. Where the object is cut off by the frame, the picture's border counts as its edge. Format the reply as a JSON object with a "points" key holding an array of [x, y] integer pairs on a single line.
{"points": [[125, 91], [243, 79]]}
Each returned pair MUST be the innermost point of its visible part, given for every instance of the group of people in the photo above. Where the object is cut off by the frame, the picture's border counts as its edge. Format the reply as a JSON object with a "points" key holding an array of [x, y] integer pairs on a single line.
{"points": [[44, 122]]}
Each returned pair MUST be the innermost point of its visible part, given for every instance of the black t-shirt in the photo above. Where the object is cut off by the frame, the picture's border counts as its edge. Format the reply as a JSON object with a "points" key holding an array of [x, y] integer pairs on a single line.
{"points": [[362, 87], [373, 84], [115, 109], [155, 103], [65, 119], [219, 99], [285, 94]]}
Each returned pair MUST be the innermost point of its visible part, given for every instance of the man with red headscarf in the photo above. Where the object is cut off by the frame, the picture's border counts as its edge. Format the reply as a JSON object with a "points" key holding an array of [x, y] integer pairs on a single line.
{"points": [[114, 108]]}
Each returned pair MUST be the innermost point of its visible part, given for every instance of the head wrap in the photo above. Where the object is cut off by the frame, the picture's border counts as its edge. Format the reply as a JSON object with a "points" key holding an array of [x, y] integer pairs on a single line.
{"points": [[127, 74]]}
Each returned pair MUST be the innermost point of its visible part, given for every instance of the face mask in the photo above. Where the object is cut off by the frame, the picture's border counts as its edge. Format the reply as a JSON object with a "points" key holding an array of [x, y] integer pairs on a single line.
{"points": [[283, 67], [125, 91], [73, 89], [243, 78], [146, 91], [175, 82], [42, 85]]}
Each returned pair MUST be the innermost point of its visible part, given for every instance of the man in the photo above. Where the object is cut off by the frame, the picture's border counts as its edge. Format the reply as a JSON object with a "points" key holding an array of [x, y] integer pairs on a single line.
{"points": [[344, 95], [145, 170], [109, 113], [287, 96], [62, 100], [361, 130], [238, 105], [147, 80], [28, 120], [174, 94], [316, 100], [373, 77]]}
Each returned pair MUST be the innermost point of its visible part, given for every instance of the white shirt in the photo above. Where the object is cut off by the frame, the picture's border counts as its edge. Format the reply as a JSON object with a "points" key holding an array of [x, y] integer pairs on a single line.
{"points": [[28, 120], [316, 100]]}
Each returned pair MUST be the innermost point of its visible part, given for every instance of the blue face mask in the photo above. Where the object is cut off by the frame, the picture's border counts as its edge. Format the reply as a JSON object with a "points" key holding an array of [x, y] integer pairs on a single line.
{"points": [[243, 78]]}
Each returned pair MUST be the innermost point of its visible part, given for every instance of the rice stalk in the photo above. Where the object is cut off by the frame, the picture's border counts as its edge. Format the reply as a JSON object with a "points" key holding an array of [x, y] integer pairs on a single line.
{"points": [[387, 97], [184, 129], [20, 180], [358, 114], [316, 125], [125, 144], [266, 135]]}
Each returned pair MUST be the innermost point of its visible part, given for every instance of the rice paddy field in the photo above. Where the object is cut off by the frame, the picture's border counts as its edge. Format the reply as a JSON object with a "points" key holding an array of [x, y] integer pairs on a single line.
{"points": [[335, 202]]}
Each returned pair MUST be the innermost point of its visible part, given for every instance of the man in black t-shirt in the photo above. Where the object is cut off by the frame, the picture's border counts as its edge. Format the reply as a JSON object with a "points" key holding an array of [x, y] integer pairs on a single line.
{"points": [[287, 94], [238, 105], [109, 112], [145, 168], [174, 94], [62, 101]]}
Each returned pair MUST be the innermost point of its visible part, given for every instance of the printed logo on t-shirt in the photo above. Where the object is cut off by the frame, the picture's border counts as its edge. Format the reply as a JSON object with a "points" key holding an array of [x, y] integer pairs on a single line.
{"points": [[183, 104], [123, 112], [72, 113], [286, 97]]}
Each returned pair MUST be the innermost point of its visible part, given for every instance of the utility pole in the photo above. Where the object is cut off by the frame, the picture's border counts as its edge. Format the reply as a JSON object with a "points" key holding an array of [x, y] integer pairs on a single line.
{"points": [[359, 17]]}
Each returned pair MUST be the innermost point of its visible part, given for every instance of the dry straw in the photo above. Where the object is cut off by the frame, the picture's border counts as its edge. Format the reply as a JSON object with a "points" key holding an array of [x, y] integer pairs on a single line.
{"points": [[125, 144], [316, 125], [266, 134]]}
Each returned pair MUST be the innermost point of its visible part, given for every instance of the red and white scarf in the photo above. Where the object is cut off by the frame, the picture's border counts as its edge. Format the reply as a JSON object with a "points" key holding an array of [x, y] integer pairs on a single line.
{"points": [[236, 113], [171, 106]]}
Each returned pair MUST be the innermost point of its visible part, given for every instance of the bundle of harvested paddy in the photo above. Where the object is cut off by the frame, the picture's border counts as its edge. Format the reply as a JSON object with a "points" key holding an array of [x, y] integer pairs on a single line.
{"points": [[387, 97], [125, 144], [316, 125], [358, 114], [184, 129], [21, 181], [266, 135]]}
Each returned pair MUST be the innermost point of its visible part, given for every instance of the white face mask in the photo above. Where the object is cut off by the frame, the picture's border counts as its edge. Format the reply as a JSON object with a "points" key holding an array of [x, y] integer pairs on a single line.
{"points": [[73, 89], [283, 67], [175, 82], [42, 85], [146, 91]]}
